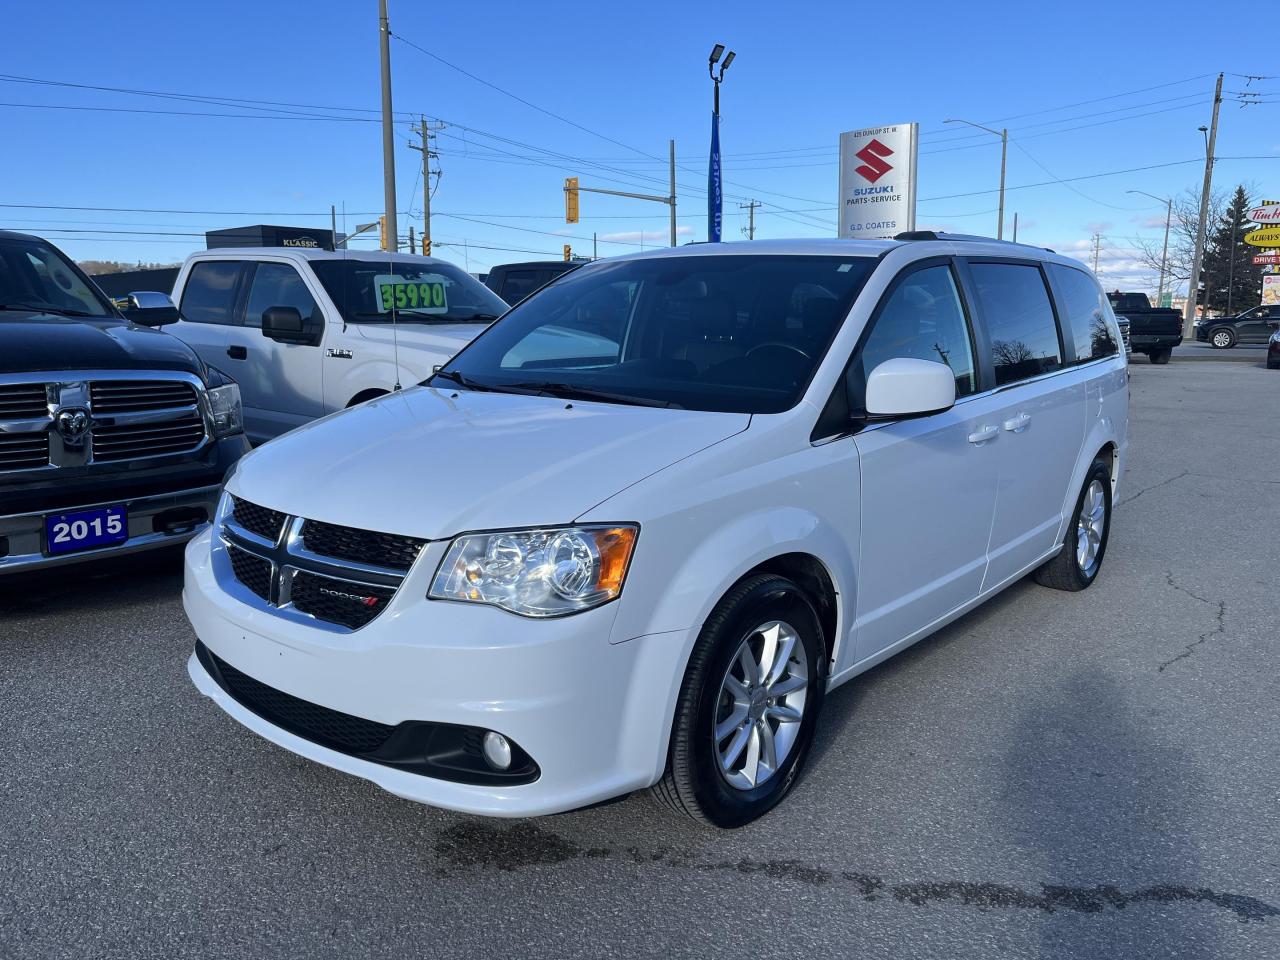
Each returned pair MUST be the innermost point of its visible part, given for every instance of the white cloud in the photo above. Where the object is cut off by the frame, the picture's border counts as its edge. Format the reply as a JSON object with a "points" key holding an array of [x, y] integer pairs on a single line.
{"points": [[656, 237]]}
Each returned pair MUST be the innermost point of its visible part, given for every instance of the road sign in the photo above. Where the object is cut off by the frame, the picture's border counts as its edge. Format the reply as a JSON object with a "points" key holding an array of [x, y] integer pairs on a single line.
{"points": [[1263, 237]]}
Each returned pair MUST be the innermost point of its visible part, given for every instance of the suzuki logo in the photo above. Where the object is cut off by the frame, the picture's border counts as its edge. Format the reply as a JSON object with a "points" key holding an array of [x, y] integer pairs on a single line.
{"points": [[873, 164], [72, 424]]}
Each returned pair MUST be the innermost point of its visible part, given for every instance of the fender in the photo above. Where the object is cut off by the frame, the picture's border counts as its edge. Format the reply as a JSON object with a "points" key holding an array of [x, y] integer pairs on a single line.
{"points": [[1108, 408], [344, 379]]}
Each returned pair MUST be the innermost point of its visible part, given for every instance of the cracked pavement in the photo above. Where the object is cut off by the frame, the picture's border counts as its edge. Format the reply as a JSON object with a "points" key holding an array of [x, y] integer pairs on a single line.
{"points": [[1055, 775]]}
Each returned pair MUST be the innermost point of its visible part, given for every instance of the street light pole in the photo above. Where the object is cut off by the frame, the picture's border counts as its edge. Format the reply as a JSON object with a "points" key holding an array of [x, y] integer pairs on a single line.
{"points": [[1164, 254], [388, 132], [1003, 134], [715, 195]]}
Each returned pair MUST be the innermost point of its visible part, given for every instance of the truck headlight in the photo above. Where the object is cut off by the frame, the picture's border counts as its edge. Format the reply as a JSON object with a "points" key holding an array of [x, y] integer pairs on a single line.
{"points": [[538, 573], [224, 405]]}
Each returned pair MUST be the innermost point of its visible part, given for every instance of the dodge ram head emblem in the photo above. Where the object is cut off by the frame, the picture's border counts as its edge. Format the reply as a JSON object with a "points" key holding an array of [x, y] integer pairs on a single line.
{"points": [[72, 424]]}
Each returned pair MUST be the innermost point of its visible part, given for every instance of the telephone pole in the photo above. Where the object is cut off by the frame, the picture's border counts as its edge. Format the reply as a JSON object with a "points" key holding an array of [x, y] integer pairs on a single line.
{"points": [[751, 217], [1097, 248], [388, 132], [1188, 319], [427, 156]]}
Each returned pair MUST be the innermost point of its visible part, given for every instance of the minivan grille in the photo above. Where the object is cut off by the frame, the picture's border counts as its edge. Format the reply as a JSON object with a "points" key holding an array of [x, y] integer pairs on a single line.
{"points": [[345, 576], [127, 442], [24, 451], [132, 396], [23, 401]]}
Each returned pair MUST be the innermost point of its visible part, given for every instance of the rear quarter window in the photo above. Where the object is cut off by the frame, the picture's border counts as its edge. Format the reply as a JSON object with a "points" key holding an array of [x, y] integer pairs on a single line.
{"points": [[1085, 314], [1019, 320]]}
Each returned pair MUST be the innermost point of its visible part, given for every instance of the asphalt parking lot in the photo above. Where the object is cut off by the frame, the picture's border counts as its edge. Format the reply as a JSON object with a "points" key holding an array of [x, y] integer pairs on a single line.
{"points": [[1054, 775]]}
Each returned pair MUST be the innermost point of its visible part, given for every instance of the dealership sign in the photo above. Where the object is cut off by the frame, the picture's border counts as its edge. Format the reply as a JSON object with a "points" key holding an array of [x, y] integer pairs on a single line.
{"points": [[878, 181], [1263, 237]]}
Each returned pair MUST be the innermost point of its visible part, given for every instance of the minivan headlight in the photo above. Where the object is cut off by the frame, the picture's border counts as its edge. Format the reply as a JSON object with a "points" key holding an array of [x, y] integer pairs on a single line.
{"points": [[538, 573], [224, 405]]}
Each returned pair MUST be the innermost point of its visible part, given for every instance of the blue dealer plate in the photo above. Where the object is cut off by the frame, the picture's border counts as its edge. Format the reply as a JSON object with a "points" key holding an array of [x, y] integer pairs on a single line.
{"points": [[86, 529]]}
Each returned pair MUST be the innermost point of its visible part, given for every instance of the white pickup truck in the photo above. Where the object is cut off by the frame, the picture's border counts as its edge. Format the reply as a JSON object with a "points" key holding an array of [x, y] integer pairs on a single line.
{"points": [[306, 332]]}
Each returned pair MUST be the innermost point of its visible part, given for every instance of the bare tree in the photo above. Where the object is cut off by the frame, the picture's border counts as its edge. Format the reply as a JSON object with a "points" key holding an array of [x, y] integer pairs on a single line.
{"points": [[1182, 233]]}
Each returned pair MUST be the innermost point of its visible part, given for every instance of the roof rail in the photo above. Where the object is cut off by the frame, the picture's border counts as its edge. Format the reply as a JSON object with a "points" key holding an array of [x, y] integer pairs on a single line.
{"points": [[968, 237]]}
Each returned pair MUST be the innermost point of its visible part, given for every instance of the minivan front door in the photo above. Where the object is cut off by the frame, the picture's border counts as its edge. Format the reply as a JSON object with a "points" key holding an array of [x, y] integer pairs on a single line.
{"points": [[929, 483]]}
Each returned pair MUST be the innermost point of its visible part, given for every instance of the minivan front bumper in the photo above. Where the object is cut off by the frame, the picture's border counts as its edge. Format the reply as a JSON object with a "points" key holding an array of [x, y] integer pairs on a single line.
{"points": [[593, 715]]}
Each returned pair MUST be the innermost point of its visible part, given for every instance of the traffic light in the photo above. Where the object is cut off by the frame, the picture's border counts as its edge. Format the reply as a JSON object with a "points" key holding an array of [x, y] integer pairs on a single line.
{"points": [[568, 252], [426, 247], [382, 233], [570, 200]]}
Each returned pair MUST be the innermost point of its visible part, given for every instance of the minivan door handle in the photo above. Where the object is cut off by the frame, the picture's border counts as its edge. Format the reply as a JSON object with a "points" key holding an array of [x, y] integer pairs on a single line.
{"points": [[983, 434], [1017, 424], [238, 353]]}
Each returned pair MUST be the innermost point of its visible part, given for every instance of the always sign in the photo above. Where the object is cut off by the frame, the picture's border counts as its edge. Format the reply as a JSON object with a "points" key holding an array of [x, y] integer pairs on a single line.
{"points": [[1263, 237]]}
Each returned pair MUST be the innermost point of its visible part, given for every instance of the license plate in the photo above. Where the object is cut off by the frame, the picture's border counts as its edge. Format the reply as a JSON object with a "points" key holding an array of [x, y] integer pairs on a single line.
{"points": [[86, 529]]}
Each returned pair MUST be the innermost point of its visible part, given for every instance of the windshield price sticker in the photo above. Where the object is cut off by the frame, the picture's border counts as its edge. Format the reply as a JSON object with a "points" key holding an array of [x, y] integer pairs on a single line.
{"points": [[420, 296]]}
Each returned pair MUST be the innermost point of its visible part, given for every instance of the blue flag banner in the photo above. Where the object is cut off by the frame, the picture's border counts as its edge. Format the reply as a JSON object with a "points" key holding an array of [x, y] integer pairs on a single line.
{"points": [[714, 196]]}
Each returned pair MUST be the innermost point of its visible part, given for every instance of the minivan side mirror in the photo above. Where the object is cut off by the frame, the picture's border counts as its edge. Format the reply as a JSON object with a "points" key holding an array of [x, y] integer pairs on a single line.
{"points": [[287, 325], [907, 387], [147, 308]]}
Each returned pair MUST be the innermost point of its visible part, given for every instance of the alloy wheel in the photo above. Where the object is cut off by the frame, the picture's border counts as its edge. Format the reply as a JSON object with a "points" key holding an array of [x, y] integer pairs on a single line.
{"points": [[760, 704], [1090, 527], [1222, 339]]}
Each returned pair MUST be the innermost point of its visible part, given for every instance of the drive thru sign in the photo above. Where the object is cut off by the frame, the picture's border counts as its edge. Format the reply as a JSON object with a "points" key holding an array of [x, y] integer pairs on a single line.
{"points": [[878, 181]]}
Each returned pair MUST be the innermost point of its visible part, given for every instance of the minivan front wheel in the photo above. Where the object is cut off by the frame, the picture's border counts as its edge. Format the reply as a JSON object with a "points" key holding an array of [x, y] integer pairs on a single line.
{"points": [[748, 705], [1077, 564]]}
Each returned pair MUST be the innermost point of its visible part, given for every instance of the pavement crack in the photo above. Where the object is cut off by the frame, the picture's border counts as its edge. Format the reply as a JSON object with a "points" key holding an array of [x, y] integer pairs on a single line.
{"points": [[473, 845], [1154, 486], [1219, 622]]}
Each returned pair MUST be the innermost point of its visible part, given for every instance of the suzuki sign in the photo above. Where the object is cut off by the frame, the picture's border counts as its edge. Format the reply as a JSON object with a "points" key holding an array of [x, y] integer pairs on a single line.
{"points": [[878, 181]]}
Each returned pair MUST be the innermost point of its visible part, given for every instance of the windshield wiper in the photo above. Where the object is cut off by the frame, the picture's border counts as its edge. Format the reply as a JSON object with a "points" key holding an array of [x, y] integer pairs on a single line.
{"points": [[570, 391], [47, 308]]}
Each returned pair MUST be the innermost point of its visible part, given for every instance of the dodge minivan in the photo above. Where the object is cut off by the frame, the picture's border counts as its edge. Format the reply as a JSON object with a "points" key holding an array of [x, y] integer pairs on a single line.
{"points": [[633, 533]]}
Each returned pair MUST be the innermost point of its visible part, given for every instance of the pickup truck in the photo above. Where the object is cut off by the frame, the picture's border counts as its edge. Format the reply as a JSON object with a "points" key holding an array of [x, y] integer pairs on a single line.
{"points": [[307, 332], [114, 437], [1154, 331]]}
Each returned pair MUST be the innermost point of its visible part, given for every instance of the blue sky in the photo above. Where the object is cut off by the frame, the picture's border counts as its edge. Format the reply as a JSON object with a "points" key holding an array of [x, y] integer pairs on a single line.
{"points": [[632, 76]]}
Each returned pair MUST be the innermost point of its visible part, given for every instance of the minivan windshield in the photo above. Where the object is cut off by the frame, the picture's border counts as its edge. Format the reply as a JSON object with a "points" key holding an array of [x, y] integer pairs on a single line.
{"points": [[373, 291], [37, 277], [739, 333]]}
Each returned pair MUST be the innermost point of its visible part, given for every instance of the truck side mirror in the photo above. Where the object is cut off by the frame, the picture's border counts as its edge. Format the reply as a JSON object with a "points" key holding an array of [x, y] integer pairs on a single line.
{"points": [[287, 325], [148, 308]]}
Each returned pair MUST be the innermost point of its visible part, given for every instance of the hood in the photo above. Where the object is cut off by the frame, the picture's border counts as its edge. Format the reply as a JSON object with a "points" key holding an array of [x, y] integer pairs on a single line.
{"points": [[431, 463], [43, 341]]}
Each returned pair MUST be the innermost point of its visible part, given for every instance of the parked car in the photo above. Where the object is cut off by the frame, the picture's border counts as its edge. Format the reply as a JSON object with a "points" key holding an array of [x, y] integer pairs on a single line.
{"points": [[307, 331], [114, 438], [1123, 323], [1252, 326], [1273, 347], [1154, 331], [515, 281], [631, 535]]}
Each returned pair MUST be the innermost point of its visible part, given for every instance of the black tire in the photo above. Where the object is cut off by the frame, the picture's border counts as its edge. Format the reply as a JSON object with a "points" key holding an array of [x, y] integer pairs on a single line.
{"points": [[1064, 571], [365, 397], [1230, 339], [693, 783], [1161, 355]]}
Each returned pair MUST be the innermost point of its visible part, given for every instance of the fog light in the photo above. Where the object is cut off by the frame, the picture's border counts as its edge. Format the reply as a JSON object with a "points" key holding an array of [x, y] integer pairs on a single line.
{"points": [[497, 751]]}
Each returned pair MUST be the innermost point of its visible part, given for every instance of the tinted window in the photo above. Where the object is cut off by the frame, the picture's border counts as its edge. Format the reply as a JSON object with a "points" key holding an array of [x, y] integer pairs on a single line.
{"points": [[740, 333], [277, 285], [34, 274], [1084, 314], [923, 319], [1019, 319], [210, 292], [518, 284], [414, 290]]}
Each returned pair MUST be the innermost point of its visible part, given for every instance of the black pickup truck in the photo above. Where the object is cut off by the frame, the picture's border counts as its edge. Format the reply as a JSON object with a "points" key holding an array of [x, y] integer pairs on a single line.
{"points": [[1154, 331], [114, 437]]}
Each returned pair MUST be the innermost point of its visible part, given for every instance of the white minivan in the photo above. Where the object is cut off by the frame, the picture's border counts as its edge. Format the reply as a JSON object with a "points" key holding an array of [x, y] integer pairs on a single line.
{"points": [[633, 533], [306, 332]]}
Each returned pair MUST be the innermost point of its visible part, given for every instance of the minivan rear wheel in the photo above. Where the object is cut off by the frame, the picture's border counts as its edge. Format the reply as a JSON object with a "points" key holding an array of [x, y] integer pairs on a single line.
{"points": [[748, 705], [1076, 566]]}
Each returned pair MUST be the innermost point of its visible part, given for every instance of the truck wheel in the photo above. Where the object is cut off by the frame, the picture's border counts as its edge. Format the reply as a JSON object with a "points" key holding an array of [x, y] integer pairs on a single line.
{"points": [[1161, 355], [1080, 559], [360, 398], [1222, 338], [748, 705]]}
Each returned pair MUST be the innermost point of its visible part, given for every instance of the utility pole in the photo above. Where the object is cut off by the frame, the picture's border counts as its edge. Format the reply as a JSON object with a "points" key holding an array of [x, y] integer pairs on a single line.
{"points": [[672, 145], [1003, 134], [412, 248], [1188, 319], [1164, 254], [1015, 226], [427, 155], [333, 224], [1097, 248], [751, 217], [595, 252], [392, 241]]}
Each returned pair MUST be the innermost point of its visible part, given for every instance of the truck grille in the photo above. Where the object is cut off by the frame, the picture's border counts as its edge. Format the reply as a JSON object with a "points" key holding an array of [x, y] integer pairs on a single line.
{"points": [[129, 442], [24, 401], [343, 576], [24, 451], [134, 396]]}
